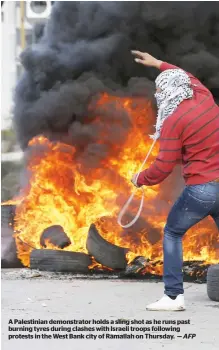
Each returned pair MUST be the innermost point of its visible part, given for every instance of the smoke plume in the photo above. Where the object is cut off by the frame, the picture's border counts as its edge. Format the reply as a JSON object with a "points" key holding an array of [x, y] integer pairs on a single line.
{"points": [[85, 49]]}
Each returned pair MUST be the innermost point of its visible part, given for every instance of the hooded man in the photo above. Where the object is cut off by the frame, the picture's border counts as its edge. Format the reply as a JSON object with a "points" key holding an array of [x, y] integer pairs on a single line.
{"points": [[188, 130]]}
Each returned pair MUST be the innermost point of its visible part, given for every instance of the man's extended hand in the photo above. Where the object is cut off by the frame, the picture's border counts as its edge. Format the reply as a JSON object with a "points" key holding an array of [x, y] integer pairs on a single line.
{"points": [[146, 59], [133, 180]]}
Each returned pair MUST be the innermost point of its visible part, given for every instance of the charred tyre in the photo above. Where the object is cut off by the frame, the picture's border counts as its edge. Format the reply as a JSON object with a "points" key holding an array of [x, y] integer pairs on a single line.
{"points": [[213, 282], [59, 261], [105, 252]]}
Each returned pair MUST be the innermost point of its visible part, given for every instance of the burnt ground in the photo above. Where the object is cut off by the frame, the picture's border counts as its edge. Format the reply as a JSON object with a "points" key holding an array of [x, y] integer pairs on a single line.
{"points": [[37, 295]]}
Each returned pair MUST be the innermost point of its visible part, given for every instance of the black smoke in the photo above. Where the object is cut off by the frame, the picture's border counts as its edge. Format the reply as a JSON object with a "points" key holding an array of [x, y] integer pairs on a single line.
{"points": [[38, 30], [84, 49]]}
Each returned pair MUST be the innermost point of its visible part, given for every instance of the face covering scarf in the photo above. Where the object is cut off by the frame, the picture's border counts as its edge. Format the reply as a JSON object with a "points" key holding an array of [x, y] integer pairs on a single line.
{"points": [[175, 87]]}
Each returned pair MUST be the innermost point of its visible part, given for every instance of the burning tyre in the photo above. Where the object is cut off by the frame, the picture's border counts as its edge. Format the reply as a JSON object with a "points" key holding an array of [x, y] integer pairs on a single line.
{"points": [[213, 282], [104, 252], [7, 215], [55, 235], [59, 261]]}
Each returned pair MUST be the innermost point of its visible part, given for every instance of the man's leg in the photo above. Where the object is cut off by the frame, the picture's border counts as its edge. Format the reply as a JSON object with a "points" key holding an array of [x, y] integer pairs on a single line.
{"points": [[215, 216], [216, 219], [192, 206], [215, 210]]}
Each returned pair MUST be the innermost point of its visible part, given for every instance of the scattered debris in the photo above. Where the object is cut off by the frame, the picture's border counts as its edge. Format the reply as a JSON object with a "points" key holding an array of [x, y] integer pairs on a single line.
{"points": [[136, 266]]}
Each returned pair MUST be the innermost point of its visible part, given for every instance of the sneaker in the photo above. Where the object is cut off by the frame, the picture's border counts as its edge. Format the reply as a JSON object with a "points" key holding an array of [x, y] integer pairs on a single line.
{"points": [[168, 304]]}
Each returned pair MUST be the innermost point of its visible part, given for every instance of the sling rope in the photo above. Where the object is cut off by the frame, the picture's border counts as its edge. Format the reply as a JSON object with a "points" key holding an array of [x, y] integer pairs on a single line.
{"points": [[125, 207]]}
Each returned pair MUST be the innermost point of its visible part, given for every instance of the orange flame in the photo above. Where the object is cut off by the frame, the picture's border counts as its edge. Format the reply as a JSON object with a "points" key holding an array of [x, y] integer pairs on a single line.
{"points": [[60, 192]]}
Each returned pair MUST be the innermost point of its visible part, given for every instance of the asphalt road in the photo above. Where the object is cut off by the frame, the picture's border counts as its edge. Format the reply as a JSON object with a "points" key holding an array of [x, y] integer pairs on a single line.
{"points": [[114, 305]]}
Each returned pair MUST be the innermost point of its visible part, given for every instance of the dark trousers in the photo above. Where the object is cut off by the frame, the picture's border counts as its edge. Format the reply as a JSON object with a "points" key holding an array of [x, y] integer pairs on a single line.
{"points": [[194, 204]]}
